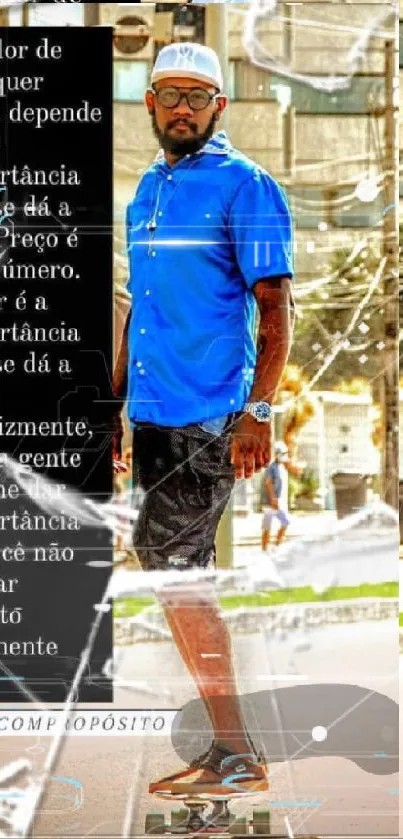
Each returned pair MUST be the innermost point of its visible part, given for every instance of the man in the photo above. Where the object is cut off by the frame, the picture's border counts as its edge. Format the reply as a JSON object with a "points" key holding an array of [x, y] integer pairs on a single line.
{"points": [[209, 237], [275, 487]]}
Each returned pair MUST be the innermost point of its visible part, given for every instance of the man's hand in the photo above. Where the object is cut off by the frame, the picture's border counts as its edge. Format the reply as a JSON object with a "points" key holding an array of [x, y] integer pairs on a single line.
{"points": [[251, 446]]}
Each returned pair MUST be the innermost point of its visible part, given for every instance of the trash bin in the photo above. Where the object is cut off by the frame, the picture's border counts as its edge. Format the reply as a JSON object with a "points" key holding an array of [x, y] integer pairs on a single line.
{"points": [[351, 492]]}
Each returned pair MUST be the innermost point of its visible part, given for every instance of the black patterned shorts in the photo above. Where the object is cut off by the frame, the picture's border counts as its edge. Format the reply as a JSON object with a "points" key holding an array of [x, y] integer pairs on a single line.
{"points": [[187, 477]]}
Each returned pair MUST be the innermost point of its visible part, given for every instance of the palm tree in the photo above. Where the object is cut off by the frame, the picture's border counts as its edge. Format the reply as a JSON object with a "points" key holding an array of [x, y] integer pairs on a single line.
{"points": [[293, 389]]}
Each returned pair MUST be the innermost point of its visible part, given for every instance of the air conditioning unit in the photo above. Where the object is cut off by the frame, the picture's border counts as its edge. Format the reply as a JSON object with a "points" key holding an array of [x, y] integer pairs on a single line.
{"points": [[133, 30]]}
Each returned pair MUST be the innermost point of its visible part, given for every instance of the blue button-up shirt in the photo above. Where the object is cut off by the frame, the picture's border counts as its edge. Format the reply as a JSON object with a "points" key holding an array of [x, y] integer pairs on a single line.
{"points": [[199, 236]]}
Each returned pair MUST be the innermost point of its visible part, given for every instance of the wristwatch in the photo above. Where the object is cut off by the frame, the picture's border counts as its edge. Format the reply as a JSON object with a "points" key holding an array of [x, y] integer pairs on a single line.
{"points": [[260, 411]]}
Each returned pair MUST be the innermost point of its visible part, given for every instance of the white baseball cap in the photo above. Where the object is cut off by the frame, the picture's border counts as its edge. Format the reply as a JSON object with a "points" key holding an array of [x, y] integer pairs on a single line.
{"points": [[281, 448], [188, 60]]}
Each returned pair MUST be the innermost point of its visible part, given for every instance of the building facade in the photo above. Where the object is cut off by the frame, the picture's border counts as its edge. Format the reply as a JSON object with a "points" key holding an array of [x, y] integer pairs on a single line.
{"points": [[319, 145]]}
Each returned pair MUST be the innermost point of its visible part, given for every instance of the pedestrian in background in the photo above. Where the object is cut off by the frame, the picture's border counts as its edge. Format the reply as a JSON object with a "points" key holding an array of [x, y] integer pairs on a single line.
{"points": [[275, 494]]}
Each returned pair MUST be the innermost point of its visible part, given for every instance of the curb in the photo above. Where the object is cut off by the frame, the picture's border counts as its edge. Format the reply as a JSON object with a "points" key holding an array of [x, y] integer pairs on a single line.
{"points": [[296, 616]]}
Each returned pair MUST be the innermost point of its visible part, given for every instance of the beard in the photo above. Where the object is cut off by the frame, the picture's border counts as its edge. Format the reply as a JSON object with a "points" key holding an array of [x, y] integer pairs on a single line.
{"points": [[191, 145]]}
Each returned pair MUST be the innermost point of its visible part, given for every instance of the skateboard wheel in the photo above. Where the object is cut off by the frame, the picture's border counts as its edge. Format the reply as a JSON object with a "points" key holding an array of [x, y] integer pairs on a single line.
{"points": [[155, 823], [179, 818], [239, 827], [261, 822]]}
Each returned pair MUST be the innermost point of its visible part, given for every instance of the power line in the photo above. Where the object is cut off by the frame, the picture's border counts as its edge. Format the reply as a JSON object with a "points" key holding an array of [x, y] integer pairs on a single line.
{"points": [[339, 342]]}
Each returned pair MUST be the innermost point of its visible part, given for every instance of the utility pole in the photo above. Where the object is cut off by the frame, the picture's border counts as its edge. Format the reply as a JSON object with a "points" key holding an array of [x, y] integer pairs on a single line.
{"points": [[390, 354], [91, 14], [216, 37], [25, 14]]}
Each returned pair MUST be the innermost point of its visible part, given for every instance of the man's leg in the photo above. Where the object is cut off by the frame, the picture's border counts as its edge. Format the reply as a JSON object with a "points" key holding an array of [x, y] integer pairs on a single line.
{"points": [[284, 520], [188, 480], [266, 529], [280, 535], [202, 638]]}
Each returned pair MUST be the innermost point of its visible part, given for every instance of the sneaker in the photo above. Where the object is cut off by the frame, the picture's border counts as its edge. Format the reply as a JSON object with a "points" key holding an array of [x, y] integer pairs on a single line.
{"points": [[217, 774]]}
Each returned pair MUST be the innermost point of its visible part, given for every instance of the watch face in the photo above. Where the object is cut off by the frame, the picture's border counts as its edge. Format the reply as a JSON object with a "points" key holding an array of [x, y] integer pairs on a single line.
{"points": [[262, 411]]}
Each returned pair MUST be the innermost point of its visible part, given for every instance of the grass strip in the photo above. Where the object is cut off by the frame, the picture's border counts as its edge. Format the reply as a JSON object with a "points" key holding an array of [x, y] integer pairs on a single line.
{"points": [[130, 606]]}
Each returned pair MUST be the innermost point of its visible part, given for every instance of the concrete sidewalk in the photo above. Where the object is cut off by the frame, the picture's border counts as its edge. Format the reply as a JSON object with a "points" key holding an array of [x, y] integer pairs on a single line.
{"points": [[247, 529], [247, 532], [322, 551]]}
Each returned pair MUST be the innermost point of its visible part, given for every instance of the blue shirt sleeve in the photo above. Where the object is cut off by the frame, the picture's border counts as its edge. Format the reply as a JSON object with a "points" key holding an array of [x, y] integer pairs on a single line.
{"points": [[261, 229]]}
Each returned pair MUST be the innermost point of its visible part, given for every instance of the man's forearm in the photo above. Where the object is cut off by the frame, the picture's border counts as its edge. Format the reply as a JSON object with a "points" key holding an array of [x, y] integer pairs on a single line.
{"points": [[120, 374], [276, 307]]}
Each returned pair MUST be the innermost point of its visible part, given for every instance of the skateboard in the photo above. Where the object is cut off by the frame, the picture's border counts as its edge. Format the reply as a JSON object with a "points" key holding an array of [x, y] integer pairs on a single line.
{"points": [[191, 820]]}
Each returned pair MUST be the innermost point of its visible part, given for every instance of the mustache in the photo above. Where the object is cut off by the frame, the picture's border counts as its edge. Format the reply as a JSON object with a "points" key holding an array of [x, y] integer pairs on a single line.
{"points": [[174, 122]]}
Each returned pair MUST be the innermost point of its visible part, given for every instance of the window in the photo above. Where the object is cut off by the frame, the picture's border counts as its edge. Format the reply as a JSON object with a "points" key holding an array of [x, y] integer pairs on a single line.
{"points": [[359, 98], [130, 80], [307, 206], [246, 81], [312, 206], [355, 213]]}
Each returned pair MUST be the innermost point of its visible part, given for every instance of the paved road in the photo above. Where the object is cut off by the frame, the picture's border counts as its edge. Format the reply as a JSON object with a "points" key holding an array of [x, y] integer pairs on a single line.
{"points": [[348, 800]]}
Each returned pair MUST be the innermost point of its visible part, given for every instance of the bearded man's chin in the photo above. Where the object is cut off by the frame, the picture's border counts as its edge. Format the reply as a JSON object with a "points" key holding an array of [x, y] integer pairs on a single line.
{"points": [[190, 145], [182, 147]]}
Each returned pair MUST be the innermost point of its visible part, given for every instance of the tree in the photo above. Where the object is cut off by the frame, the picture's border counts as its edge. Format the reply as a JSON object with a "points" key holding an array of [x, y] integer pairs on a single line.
{"points": [[325, 313], [301, 407]]}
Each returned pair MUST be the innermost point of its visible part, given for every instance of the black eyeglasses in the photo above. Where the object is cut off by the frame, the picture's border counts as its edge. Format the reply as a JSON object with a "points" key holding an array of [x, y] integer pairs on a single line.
{"points": [[197, 98]]}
